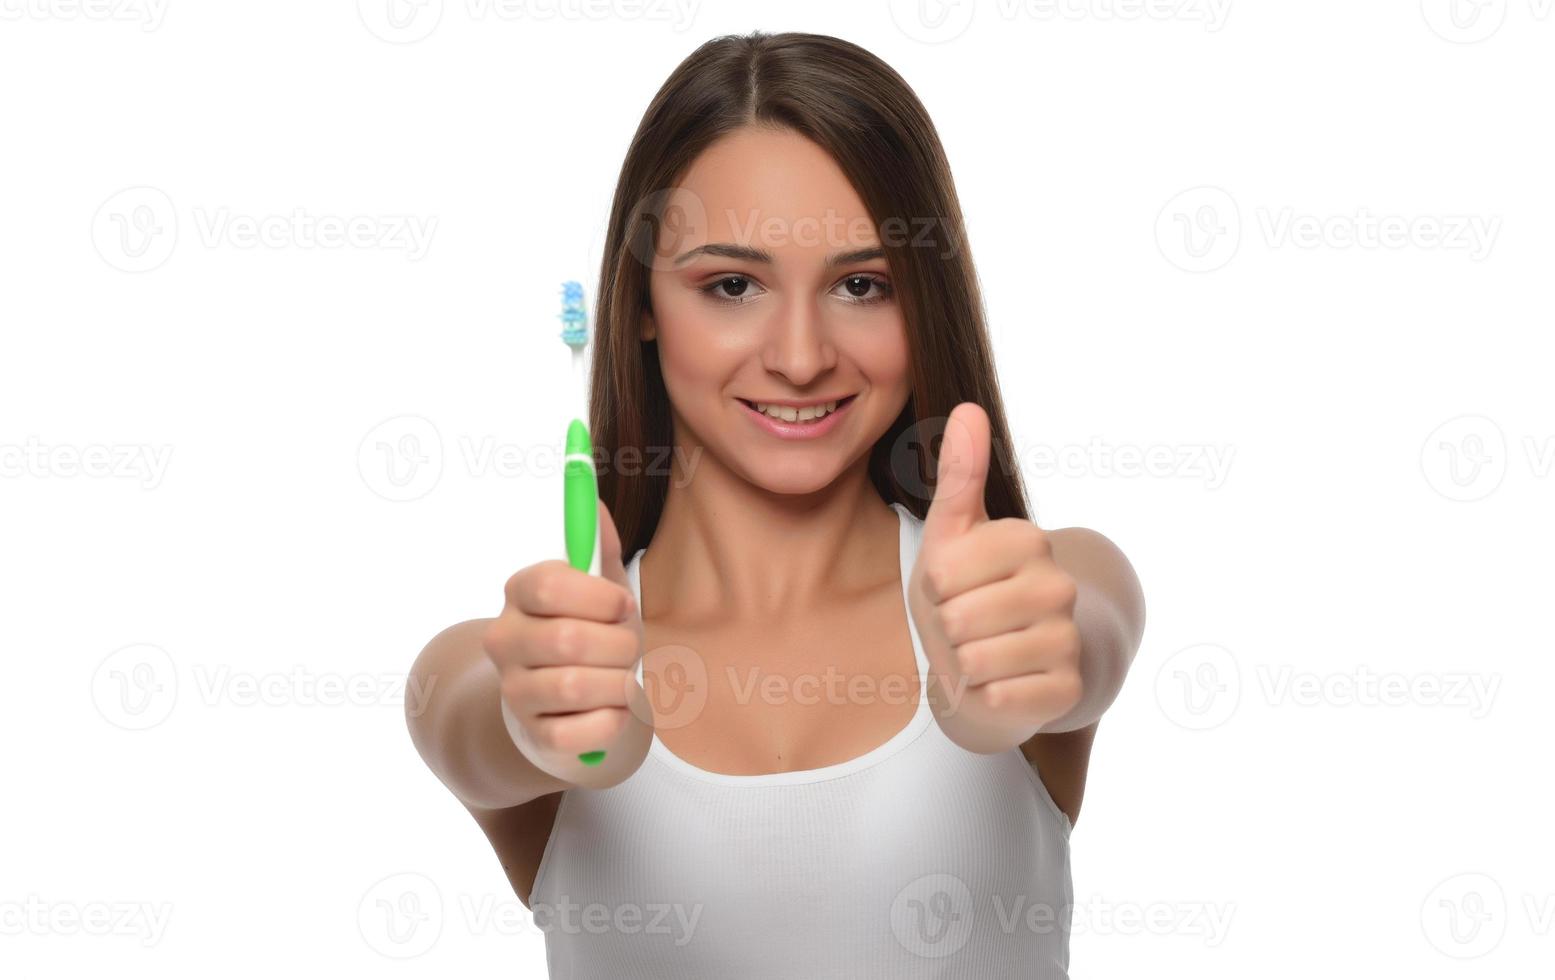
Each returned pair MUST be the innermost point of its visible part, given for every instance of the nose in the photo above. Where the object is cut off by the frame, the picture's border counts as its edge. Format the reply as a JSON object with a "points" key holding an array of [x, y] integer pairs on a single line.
{"points": [[798, 344]]}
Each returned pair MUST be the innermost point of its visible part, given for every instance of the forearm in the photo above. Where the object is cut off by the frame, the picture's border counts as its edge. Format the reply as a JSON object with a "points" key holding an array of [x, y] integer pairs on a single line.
{"points": [[1105, 656], [455, 721], [1109, 614]]}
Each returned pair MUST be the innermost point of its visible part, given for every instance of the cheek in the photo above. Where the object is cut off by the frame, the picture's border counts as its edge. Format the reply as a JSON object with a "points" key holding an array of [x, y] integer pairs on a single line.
{"points": [[695, 351], [881, 354]]}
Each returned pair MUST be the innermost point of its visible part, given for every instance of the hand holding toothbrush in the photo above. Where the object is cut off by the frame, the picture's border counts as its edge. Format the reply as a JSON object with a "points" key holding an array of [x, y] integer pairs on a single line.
{"points": [[566, 646]]}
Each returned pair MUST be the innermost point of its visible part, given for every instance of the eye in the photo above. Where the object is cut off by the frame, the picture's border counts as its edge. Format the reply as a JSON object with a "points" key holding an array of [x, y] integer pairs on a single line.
{"points": [[732, 290], [865, 289]]}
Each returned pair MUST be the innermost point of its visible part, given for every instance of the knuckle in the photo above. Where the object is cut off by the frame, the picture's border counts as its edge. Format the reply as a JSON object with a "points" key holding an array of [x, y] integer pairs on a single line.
{"points": [[1060, 591], [1035, 538], [1024, 531], [625, 604], [548, 585], [566, 638], [494, 639], [500, 639], [600, 727], [951, 622], [544, 594], [518, 582], [543, 734], [996, 696], [614, 724], [569, 686], [544, 584], [937, 576], [512, 587]]}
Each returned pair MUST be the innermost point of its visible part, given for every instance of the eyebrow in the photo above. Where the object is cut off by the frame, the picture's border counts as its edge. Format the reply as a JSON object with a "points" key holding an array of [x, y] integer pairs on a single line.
{"points": [[749, 254]]}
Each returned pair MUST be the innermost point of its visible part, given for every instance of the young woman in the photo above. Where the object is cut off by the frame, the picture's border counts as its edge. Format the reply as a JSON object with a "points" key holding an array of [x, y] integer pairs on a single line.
{"points": [[845, 686]]}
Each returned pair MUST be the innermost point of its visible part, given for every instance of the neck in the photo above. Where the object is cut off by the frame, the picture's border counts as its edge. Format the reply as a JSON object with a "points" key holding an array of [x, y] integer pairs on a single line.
{"points": [[725, 549]]}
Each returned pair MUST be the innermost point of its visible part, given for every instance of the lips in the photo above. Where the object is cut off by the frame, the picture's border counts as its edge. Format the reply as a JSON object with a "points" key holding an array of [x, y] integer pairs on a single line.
{"points": [[796, 429], [803, 411]]}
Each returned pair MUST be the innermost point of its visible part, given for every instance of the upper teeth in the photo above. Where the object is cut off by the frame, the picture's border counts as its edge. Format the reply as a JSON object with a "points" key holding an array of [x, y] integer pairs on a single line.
{"points": [[790, 414]]}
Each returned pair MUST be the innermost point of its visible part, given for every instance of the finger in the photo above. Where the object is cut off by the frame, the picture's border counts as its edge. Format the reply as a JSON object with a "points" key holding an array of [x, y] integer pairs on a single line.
{"points": [[988, 610], [962, 476], [1043, 647], [578, 642], [563, 690], [585, 731], [1031, 698], [555, 588], [987, 553]]}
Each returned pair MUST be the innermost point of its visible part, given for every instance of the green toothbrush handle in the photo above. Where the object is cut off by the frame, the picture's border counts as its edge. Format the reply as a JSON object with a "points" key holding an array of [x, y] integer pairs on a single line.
{"points": [[580, 518], [581, 507]]}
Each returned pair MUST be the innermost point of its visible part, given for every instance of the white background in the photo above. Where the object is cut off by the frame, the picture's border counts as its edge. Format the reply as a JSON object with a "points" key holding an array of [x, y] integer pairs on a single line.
{"points": [[1218, 231]]}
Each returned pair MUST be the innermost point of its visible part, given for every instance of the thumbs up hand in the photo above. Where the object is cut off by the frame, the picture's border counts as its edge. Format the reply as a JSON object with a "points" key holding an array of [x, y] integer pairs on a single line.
{"points": [[994, 612]]}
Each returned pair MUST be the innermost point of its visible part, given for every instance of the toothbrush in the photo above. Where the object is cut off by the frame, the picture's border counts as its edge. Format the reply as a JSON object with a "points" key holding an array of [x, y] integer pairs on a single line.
{"points": [[580, 488]]}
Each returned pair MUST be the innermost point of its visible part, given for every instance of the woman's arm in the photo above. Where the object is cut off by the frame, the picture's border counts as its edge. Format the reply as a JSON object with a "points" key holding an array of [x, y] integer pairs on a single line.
{"points": [[1109, 611], [456, 724], [457, 728]]}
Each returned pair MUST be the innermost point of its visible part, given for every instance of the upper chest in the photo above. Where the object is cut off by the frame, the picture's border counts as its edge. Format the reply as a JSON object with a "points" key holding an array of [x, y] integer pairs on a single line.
{"points": [[807, 690]]}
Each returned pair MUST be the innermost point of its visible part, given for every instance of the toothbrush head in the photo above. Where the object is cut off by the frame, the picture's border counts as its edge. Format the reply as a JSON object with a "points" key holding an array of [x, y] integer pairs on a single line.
{"points": [[575, 331]]}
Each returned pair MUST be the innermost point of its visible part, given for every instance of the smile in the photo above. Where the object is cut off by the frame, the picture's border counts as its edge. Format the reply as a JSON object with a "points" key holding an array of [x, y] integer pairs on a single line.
{"points": [[796, 421]]}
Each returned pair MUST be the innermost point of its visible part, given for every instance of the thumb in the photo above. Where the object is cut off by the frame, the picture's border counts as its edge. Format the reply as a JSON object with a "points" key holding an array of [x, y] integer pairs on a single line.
{"points": [[610, 565], [962, 475]]}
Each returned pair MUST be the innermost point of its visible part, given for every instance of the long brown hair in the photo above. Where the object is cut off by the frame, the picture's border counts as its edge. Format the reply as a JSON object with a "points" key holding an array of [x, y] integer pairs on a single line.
{"points": [[863, 113]]}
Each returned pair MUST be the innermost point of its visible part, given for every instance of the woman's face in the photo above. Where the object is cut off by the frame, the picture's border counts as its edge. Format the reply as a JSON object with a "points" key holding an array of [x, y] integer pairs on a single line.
{"points": [[769, 291]]}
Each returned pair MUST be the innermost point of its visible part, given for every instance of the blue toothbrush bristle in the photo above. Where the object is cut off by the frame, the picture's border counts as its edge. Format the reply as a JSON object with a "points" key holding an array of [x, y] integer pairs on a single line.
{"points": [[575, 331]]}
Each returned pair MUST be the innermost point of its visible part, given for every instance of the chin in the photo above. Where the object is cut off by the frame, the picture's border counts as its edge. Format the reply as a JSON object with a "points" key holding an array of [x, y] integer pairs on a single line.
{"points": [[797, 477]]}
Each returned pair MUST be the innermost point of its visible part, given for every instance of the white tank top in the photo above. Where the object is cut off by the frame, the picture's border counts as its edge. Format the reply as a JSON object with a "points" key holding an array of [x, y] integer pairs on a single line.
{"points": [[917, 859]]}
